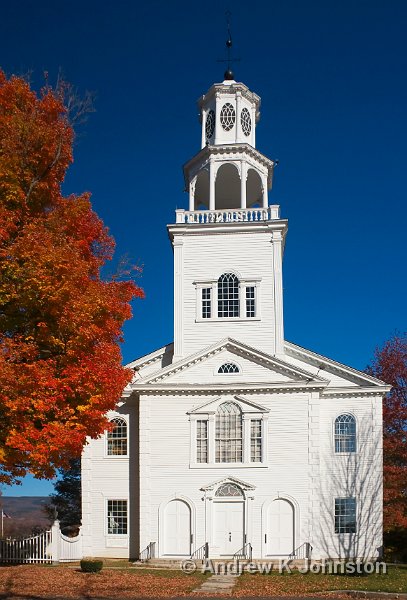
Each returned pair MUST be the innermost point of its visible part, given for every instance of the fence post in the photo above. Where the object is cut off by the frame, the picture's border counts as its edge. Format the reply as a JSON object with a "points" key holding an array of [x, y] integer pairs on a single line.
{"points": [[55, 541]]}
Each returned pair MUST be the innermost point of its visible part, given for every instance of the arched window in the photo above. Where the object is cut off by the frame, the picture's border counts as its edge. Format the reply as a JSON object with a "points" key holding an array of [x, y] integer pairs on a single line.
{"points": [[345, 433], [228, 433], [228, 368], [228, 295], [117, 438]]}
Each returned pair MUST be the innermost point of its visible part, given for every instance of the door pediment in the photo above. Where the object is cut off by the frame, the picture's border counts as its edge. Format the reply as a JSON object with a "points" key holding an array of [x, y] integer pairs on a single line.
{"points": [[247, 406], [232, 480]]}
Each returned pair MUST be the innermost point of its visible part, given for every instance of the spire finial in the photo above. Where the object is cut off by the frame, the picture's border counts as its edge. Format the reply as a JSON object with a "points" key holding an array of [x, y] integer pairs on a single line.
{"points": [[229, 60]]}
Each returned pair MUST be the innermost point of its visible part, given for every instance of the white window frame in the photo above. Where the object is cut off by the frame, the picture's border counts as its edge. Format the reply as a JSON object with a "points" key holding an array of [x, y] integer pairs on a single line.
{"points": [[356, 516], [117, 456], [249, 413], [347, 453], [116, 535], [213, 285]]}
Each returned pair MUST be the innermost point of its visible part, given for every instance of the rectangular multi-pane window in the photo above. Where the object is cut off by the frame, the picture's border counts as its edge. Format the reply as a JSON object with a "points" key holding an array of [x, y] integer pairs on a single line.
{"points": [[255, 440], [345, 515], [250, 302], [202, 441], [117, 517], [206, 303]]}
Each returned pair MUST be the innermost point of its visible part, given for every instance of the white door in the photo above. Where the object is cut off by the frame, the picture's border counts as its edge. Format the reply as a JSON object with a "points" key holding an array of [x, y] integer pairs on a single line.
{"points": [[229, 527], [280, 532], [177, 529]]}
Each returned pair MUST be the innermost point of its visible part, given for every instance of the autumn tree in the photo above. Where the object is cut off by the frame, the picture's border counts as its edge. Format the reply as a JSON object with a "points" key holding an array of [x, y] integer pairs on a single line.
{"points": [[390, 365], [60, 321]]}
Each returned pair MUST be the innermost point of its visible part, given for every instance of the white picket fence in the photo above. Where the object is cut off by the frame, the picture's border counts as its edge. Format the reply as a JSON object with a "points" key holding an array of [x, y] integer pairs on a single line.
{"points": [[49, 546]]}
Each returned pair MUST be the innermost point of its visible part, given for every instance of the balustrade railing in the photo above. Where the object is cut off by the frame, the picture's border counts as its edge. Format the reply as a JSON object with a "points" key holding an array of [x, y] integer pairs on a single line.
{"points": [[302, 552], [244, 553], [235, 215], [201, 553], [148, 553]]}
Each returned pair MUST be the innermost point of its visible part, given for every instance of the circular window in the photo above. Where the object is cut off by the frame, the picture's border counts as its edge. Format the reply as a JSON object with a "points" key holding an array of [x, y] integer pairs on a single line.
{"points": [[227, 116], [210, 124], [246, 121]]}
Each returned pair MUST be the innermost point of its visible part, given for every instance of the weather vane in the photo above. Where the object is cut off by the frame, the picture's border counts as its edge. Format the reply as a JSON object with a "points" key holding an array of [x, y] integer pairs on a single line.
{"points": [[229, 60]]}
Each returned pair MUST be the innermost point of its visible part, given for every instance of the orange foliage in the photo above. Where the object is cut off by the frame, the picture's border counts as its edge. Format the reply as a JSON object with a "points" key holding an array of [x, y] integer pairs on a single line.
{"points": [[60, 323]]}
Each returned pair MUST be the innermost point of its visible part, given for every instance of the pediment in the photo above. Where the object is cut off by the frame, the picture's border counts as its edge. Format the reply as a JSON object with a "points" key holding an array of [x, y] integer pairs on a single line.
{"points": [[336, 374], [255, 366], [232, 480], [246, 405]]}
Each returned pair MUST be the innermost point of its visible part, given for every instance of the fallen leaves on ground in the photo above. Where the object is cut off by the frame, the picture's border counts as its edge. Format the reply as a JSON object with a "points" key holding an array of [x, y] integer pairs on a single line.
{"points": [[54, 582], [297, 584]]}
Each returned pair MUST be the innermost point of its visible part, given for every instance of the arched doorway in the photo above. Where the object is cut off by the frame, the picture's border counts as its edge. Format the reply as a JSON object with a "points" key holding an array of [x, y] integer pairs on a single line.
{"points": [[177, 529], [280, 528]]}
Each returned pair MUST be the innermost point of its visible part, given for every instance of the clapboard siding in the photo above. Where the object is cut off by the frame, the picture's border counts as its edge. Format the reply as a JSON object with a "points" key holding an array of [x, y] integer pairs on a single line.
{"points": [[206, 257], [104, 478]]}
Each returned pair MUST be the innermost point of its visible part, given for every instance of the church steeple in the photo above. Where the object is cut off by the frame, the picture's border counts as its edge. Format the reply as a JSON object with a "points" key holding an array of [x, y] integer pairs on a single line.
{"points": [[228, 246], [228, 172]]}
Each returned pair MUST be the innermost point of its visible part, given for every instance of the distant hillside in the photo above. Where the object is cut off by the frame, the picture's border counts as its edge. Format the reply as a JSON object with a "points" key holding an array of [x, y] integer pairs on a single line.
{"points": [[26, 514]]}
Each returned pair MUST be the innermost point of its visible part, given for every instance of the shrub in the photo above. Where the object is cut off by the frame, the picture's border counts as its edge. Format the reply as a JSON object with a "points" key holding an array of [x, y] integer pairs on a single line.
{"points": [[88, 565]]}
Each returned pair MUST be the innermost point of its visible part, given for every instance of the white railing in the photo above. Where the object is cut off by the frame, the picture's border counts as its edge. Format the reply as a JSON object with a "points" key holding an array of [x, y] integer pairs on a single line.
{"points": [[34, 549], [233, 215], [46, 547]]}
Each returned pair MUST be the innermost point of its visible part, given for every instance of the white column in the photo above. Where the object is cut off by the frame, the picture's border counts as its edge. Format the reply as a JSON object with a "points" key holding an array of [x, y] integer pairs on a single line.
{"points": [[211, 185], [178, 298], [218, 128], [246, 438], [192, 194], [211, 439], [203, 138], [278, 292], [243, 177], [265, 191], [254, 126], [238, 111]]}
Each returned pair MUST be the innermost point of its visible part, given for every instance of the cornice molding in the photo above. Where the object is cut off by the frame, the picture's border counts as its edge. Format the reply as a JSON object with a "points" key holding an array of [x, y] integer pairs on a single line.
{"points": [[230, 151], [228, 228], [271, 362]]}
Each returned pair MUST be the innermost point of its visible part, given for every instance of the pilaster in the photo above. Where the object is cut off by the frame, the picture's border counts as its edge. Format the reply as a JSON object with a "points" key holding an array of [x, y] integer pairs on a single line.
{"points": [[277, 240], [178, 245]]}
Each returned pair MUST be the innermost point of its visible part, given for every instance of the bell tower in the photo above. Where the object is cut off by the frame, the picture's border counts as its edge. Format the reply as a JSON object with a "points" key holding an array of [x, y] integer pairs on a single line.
{"points": [[228, 245], [228, 172]]}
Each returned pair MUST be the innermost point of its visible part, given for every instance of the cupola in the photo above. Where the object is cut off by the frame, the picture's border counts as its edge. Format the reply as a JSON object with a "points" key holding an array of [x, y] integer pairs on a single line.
{"points": [[228, 173]]}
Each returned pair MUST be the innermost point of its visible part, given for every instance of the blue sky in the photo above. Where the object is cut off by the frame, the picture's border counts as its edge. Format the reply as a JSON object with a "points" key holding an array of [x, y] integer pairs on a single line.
{"points": [[331, 76]]}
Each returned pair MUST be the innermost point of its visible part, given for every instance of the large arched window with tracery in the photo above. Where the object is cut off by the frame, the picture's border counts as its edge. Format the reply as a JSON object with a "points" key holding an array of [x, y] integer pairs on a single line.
{"points": [[117, 438], [228, 295], [228, 433], [345, 433]]}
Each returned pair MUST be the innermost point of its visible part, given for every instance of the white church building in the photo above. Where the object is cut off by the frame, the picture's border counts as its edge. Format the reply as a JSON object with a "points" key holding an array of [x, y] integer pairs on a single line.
{"points": [[232, 441]]}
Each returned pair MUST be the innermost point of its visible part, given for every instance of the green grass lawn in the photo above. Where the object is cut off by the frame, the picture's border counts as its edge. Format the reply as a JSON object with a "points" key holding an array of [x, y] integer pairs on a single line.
{"points": [[296, 583]]}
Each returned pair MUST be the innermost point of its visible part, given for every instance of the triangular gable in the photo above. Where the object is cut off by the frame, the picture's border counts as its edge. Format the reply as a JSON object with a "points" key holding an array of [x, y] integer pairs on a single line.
{"points": [[293, 373], [211, 406], [329, 366], [242, 484], [150, 357]]}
